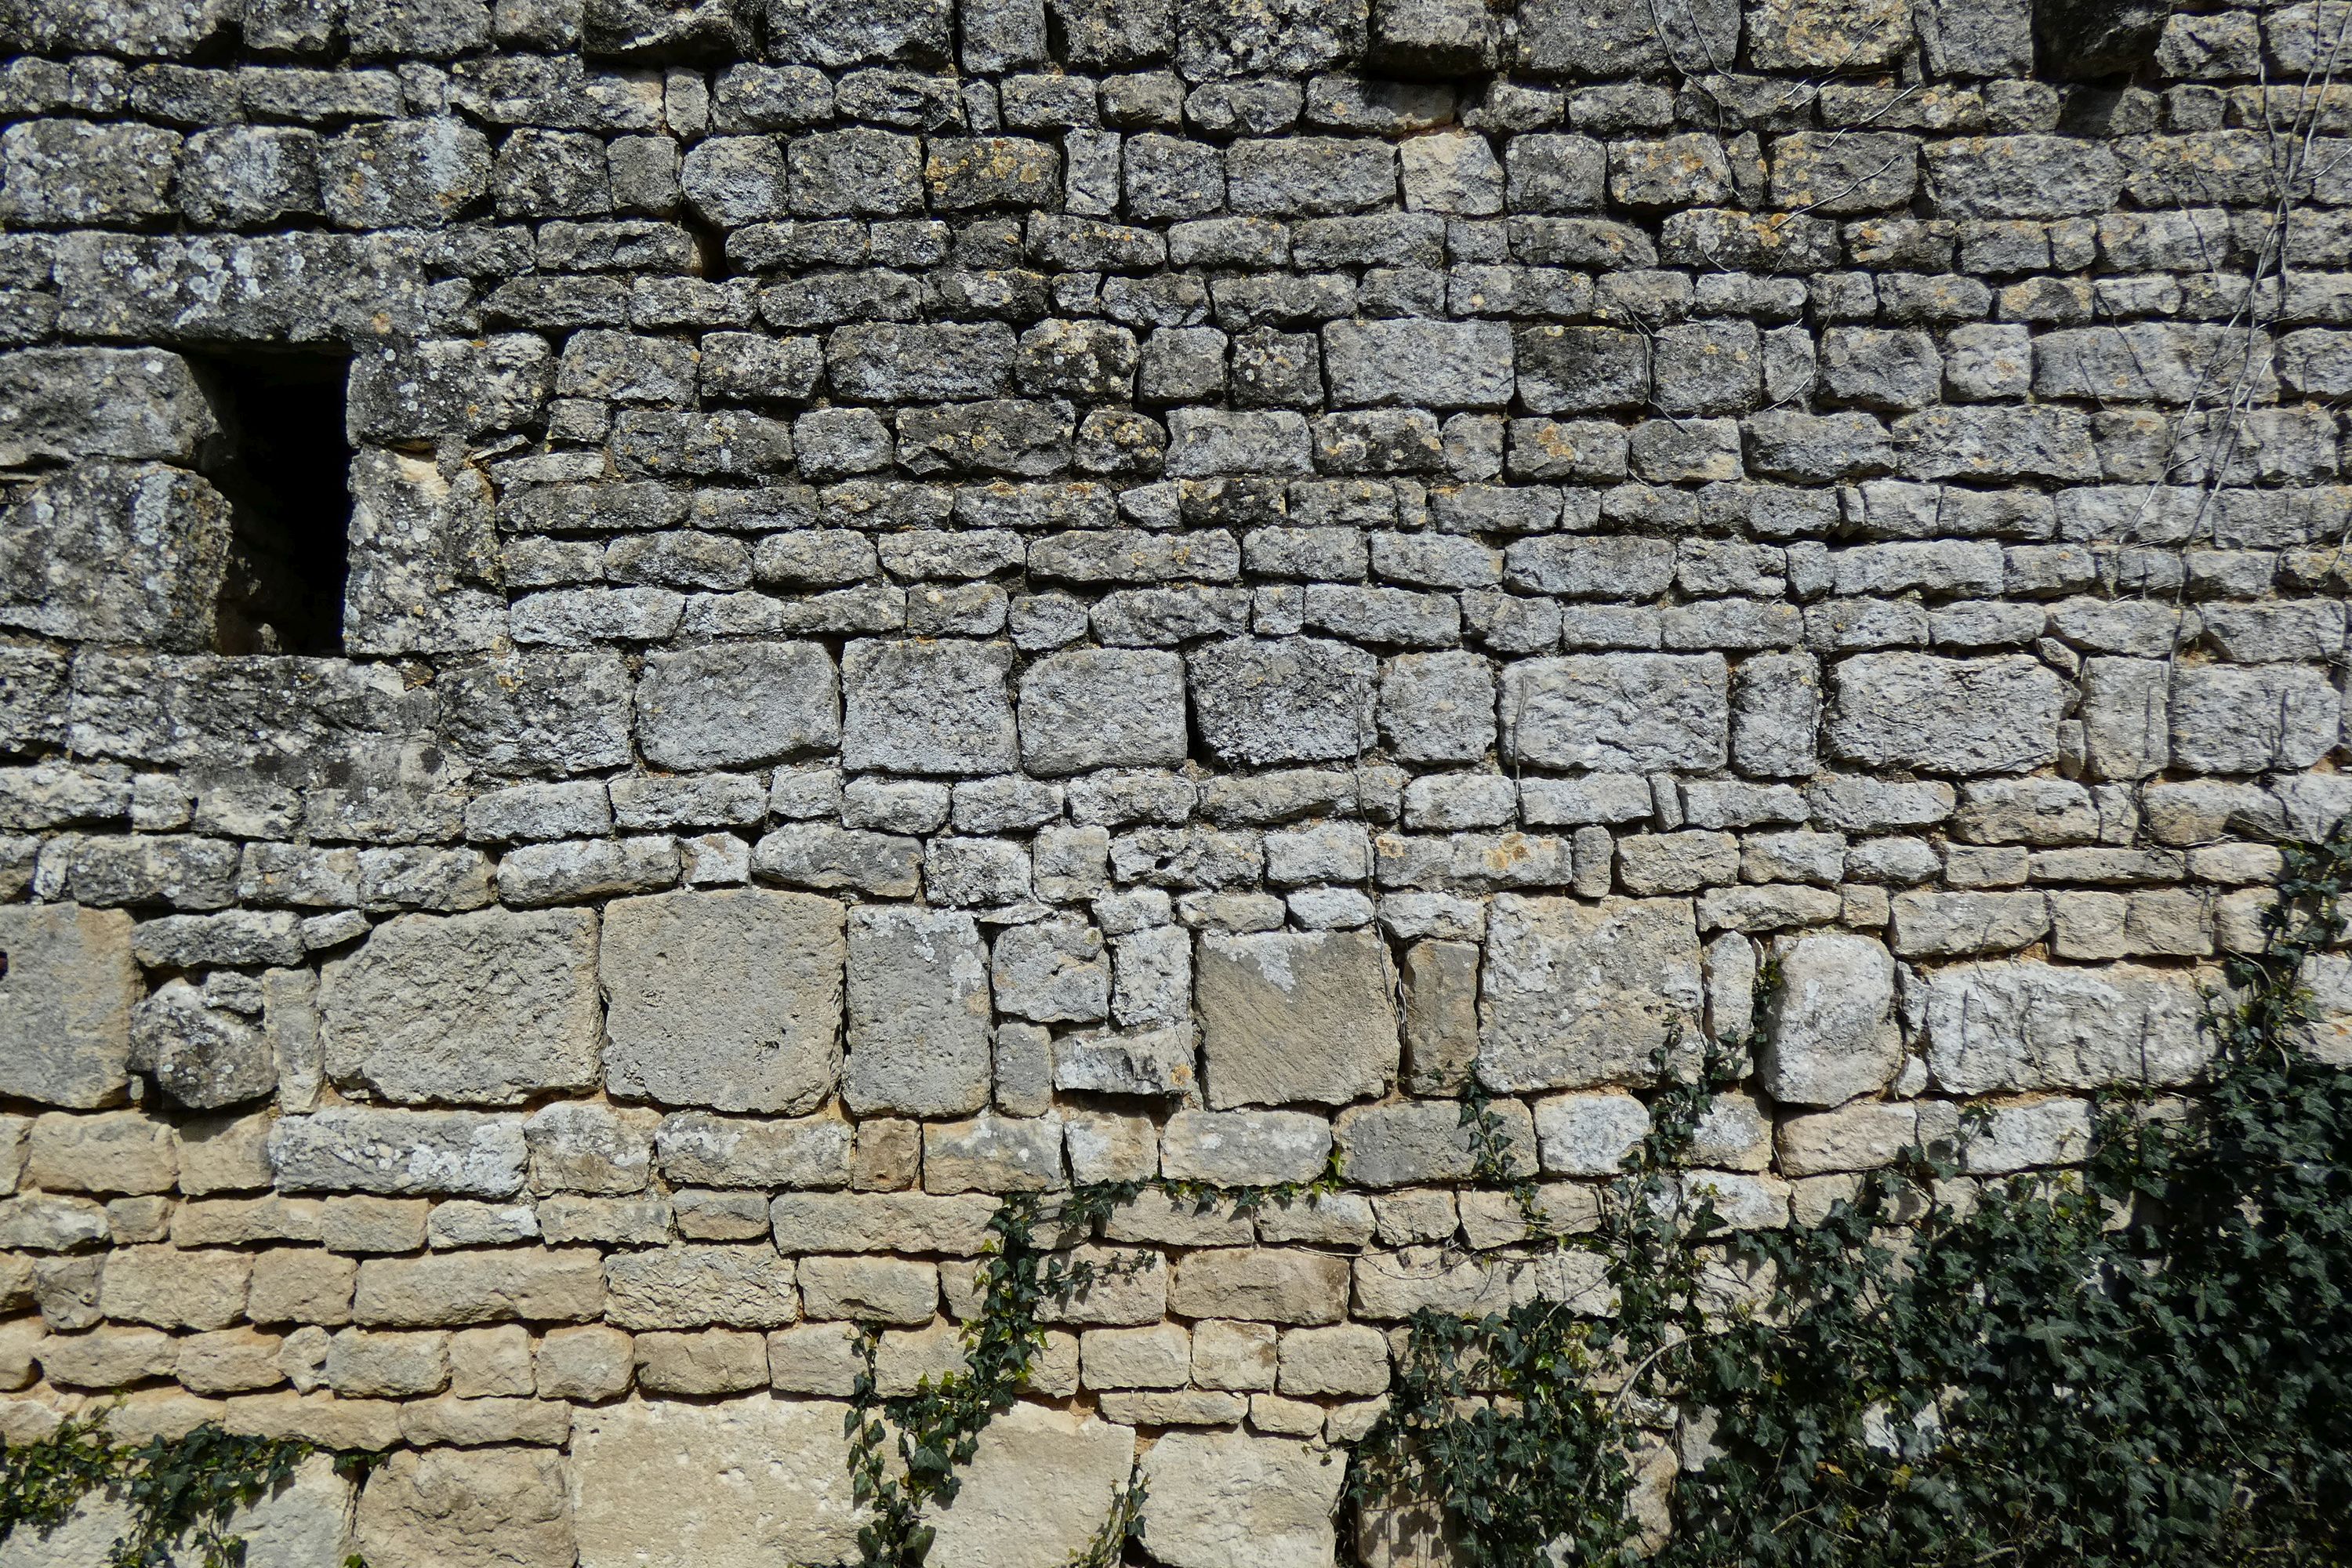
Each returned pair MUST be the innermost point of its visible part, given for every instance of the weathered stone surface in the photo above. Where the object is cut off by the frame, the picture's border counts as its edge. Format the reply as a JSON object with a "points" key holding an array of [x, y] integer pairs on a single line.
{"points": [[1574, 995], [479, 1009], [727, 999], [917, 996], [1300, 700], [1618, 711], [474, 1508], [1829, 1027], [1245, 1148], [1103, 708], [65, 998], [1234, 1499], [116, 553], [447, 1289], [697, 1287], [1037, 1491], [1287, 1016], [203, 1057], [724, 1485], [734, 704], [347, 1150], [740, 1151], [2014, 1026], [928, 708], [1946, 716]]}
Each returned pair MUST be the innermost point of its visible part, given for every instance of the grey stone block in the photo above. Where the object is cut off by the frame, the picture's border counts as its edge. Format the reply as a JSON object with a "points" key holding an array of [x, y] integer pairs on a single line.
{"points": [[1614, 712], [928, 708], [66, 1000], [1103, 708], [482, 1009], [1287, 1017], [736, 703], [918, 1013], [1946, 716], [1297, 700], [727, 999], [1576, 995]]}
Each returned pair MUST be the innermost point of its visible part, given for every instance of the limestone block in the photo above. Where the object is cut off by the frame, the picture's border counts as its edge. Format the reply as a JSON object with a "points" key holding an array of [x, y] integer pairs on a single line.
{"points": [[424, 563], [2023, 1026], [1575, 995], [203, 1057], [691, 1287], [1103, 708], [710, 1361], [1425, 1141], [1036, 1492], [918, 1013], [928, 708], [735, 1152], [116, 1151], [482, 1008], [1291, 1017], [881, 1222], [1234, 1499], [171, 1287], [1245, 1148], [454, 1289], [1830, 1027], [1265, 1285], [578, 1147], [1294, 700], [869, 1290], [2021, 1135], [733, 704], [1157, 1356], [992, 1154], [589, 1361], [474, 1508], [727, 998], [1344, 1359], [65, 1003], [740, 1483], [102, 402], [1638, 711], [1945, 715], [1053, 971], [346, 1149], [118, 552], [1589, 1134]]}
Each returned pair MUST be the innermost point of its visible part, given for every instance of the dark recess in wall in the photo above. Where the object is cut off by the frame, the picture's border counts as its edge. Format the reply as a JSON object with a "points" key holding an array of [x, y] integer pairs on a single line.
{"points": [[285, 469]]}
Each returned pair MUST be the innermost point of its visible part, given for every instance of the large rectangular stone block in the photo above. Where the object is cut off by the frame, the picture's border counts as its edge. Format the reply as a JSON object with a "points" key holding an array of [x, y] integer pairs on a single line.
{"points": [[65, 995], [1288, 1016], [728, 998], [2016, 1025], [1993, 715], [1577, 994], [1640, 713], [928, 708], [476, 1009], [740, 1483], [918, 1013], [120, 552]]}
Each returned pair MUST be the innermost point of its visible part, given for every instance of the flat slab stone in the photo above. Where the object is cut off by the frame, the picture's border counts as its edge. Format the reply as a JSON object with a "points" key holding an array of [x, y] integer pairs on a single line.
{"points": [[1576, 994], [728, 999], [1036, 1492], [1288, 1016], [745, 1483], [485, 1008], [65, 1003], [1235, 1499]]}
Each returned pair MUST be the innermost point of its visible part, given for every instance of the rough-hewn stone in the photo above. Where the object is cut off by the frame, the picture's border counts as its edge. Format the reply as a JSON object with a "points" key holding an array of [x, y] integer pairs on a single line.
{"points": [[1574, 995], [1290, 1017]]}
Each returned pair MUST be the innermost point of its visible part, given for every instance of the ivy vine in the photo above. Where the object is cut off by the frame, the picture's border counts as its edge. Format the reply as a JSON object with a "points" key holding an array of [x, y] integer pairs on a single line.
{"points": [[179, 1492], [2144, 1360]]}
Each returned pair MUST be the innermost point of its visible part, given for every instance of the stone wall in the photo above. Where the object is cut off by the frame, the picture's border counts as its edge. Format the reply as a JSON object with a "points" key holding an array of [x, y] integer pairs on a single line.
{"points": [[944, 601]]}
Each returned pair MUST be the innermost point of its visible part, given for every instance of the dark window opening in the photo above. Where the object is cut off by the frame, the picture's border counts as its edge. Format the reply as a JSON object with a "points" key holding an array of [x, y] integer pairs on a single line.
{"points": [[285, 467]]}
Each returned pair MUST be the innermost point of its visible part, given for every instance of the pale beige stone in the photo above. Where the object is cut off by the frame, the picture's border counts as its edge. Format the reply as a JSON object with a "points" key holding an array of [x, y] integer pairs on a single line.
{"points": [[447, 1289], [488, 1363], [1289, 1017], [1234, 1499], [710, 1361], [176, 1290], [301, 1285], [1038, 1489], [1284, 1417], [1234, 1355], [692, 1287], [478, 1423], [108, 1357], [589, 1361], [228, 1360], [1157, 1356], [112, 1151], [467, 1508], [869, 1290], [1268, 1285], [20, 1344], [320, 1418], [225, 1155], [362, 1365], [882, 1222], [741, 1483], [816, 1358], [1346, 1358], [1129, 1287], [1172, 1408]]}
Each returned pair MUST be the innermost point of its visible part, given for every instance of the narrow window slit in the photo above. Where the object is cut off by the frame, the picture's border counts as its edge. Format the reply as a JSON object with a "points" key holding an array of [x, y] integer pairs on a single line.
{"points": [[285, 469]]}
